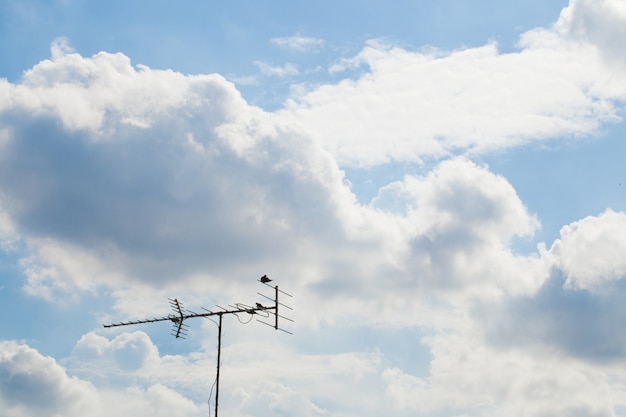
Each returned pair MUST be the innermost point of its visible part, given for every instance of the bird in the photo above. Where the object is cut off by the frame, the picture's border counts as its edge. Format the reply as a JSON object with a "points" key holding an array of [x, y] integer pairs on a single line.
{"points": [[265, 279], [259, 305]]}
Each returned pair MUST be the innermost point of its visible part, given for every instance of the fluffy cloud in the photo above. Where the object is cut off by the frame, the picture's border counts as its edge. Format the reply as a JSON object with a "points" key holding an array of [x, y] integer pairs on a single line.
{"points": [[144, 182], [35, 385], [193, 179], [134, 173], [460, 220], [555, 348], [599, 22], [154, 163], [577, 323], [150, 165], [468, 378], [578, 308], [157, 400], [259, 375], [128, 351], [411, 106], [591, 250]]}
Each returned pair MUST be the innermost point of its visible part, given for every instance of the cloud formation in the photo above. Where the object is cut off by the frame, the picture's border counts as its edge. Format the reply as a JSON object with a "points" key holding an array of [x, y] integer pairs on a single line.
{"points": [[142, 169], [600, 23], [34, 385], [161, 192], [130, 181], [591, 250], [416, 105]]}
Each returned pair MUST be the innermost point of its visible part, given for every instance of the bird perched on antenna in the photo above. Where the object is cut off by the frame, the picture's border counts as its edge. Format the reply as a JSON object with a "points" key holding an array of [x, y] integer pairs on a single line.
{"points": [[259, 305], [265, 279]]}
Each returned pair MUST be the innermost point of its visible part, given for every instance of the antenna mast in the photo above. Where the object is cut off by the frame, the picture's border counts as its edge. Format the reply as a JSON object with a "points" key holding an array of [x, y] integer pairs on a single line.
{"points": [[179, 316]]}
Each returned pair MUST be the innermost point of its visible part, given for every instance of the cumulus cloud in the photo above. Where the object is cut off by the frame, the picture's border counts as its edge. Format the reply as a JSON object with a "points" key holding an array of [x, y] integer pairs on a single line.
{"points": [[131, 361], [577, 323], [127, 351], [283, 379], [598, 22], [140, 170], [468, 378], [197, 180], [460, 219], [157, 400], [578, 308], [142, 181], [150, 162], [35, 385], [591, 250], [525, 351], [261, 375]]}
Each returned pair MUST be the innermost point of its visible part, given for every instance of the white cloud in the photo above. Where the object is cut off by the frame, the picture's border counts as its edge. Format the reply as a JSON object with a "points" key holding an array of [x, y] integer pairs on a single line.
{"points": [[578, 301], [591, 251], [599, 22], [127, 351], [157, 400], [133, 205], [8, 234], [286, 70], [415, 105], [269, 377], [35, 385], [265, 378], [459, 223], [55, 268], [469, 378], [61, 47], [298, 43], [142, 182], [259, 374], [106, 92], [156, 164], [201, 164]]}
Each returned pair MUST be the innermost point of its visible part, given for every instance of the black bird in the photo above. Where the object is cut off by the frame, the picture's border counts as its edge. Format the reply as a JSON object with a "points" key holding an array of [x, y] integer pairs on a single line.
{"points": [[259, 305], [265, 279]]}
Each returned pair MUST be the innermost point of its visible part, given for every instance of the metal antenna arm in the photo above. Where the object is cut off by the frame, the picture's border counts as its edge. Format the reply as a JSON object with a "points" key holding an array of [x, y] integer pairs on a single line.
{"points": [[128, 323], [181, 316]]}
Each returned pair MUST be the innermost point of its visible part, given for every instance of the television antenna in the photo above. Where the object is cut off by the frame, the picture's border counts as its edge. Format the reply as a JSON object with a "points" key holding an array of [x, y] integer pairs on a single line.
{"points": [[180, 314]]}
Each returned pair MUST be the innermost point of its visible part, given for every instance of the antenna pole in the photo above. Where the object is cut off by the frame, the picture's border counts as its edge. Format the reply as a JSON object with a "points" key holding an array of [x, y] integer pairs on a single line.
{"points": [[219, 351]]}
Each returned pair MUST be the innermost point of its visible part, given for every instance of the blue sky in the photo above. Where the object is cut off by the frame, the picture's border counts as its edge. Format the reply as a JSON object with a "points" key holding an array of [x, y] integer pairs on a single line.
{"points": [[440, 185]]}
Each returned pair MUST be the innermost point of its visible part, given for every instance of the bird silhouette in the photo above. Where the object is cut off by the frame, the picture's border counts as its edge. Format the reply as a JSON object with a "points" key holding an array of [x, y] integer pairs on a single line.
{"points": [[259, 305], [265, 279]]}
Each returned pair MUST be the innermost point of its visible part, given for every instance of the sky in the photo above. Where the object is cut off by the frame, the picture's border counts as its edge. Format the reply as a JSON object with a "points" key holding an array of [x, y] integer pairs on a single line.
{"points": [[440, 186]]}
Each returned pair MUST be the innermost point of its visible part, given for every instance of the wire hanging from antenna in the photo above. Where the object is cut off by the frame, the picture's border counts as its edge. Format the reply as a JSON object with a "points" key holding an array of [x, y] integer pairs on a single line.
{"points": [[211, 395]]}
